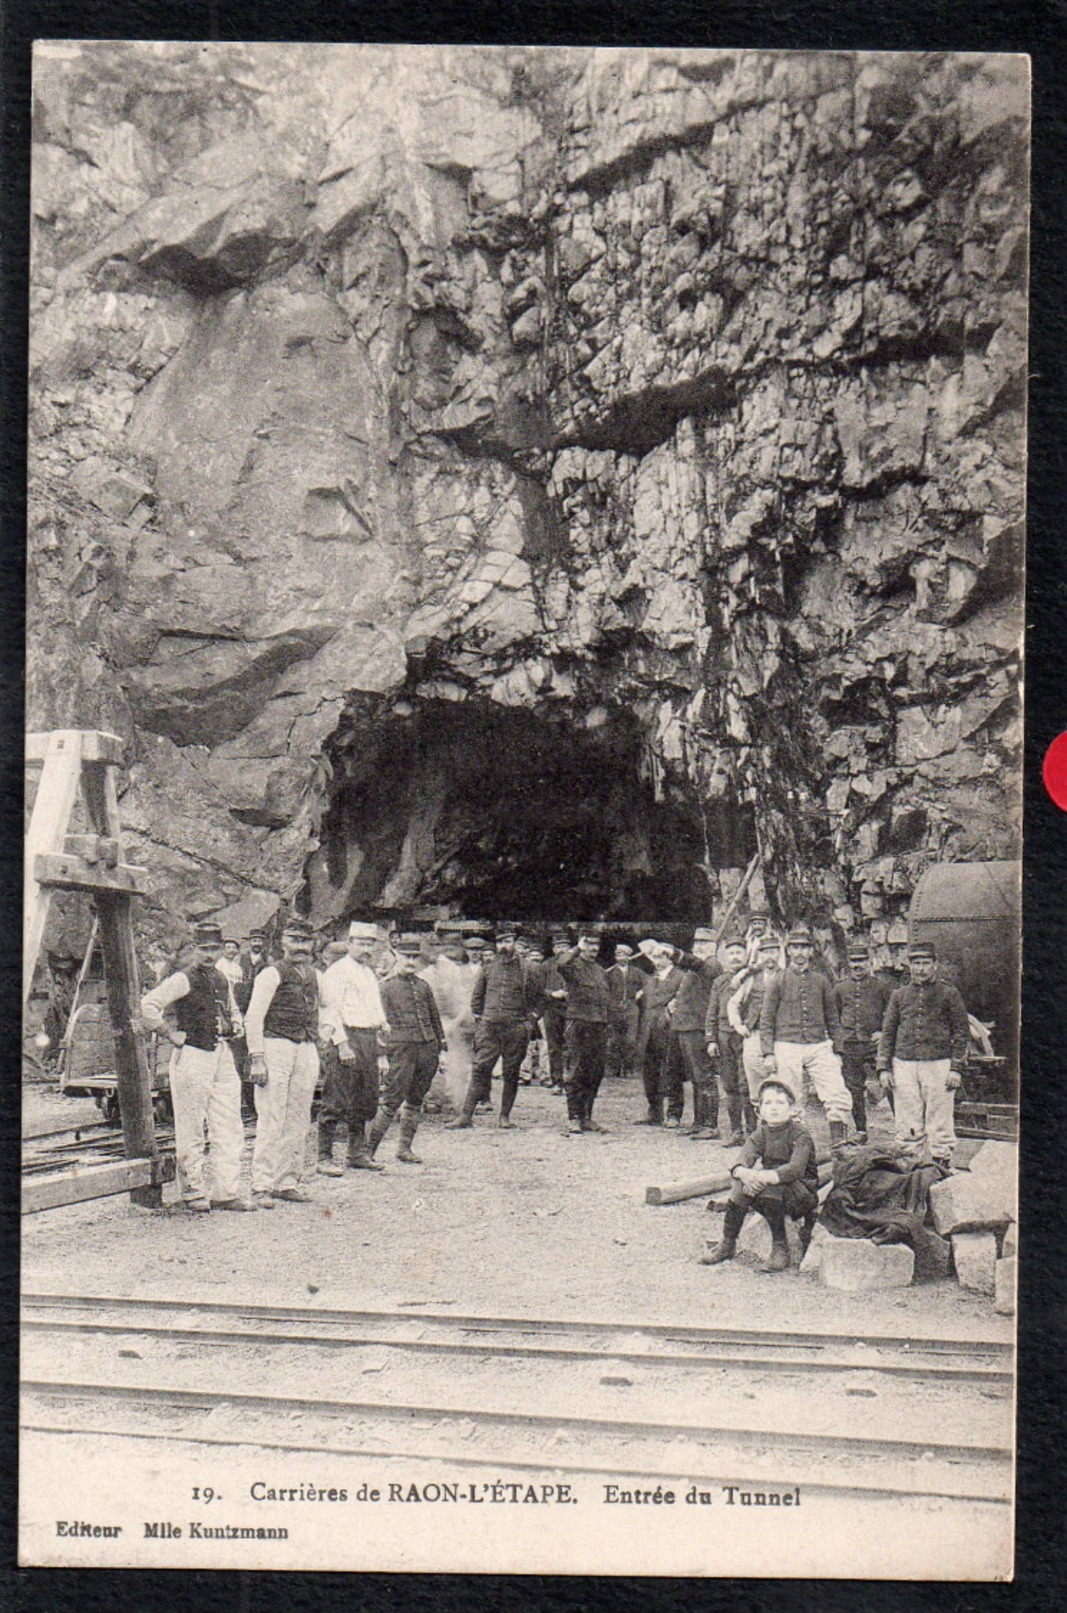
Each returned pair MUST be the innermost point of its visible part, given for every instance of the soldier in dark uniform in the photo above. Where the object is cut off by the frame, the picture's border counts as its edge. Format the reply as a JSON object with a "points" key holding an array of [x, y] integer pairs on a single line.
{"points": [[588, 1018], [658, 991], [503, 1002], [554, 1008], [413, 1046], [688, 1041], [861, 1000]]}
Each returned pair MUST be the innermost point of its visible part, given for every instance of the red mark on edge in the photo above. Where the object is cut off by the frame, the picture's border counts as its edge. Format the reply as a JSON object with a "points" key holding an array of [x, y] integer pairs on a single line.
{"points": [[1054, 771]]}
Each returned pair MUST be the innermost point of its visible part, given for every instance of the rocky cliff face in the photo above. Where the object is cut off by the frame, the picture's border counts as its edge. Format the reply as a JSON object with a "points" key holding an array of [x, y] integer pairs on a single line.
{"points": [[463, 474]]}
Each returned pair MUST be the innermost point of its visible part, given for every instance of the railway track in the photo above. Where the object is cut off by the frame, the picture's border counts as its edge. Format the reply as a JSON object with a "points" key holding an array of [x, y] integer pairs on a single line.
{"points": [[972, 1362], [467, 1422]]}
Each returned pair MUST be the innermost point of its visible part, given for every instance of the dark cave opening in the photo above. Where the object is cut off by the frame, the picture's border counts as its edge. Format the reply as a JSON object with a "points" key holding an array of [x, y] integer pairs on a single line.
{"points": [[495, 812]]}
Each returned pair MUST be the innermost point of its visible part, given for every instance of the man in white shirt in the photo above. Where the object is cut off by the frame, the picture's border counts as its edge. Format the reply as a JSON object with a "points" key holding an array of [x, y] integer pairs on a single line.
{"points": [[352, 1022]]}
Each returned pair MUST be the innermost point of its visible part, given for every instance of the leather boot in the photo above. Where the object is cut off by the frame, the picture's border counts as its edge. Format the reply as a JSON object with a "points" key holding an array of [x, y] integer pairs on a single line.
{"points": [[805, 1230], [326, 1162], [378, 1128], [774, 1215], [465, 1119], [409, 1125], [359, 1154], [838, 1134], [726, 1248], [654, 1116]]}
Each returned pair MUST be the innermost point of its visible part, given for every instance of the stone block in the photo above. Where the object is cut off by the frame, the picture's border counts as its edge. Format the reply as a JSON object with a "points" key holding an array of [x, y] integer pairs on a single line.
{"points": [[809, 1266], [755, 1238], [933, 1257], [975, 1255], [1004, 1287], [856, 1265], [1009, 1244], [975, 1198]]}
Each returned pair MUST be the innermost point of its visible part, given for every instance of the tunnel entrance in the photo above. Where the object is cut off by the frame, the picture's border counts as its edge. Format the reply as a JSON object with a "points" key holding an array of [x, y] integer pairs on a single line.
{"points": [[493, 812]]}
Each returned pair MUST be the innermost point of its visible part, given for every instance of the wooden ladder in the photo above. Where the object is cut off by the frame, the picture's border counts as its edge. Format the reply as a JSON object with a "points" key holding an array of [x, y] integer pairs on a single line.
{"points": [[73, 761]]}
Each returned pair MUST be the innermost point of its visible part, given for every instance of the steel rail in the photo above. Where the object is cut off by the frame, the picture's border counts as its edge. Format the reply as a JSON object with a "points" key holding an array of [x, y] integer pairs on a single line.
{"points": [[951, 1488], [941, 1370], [193, 1399], [661, 1331]]}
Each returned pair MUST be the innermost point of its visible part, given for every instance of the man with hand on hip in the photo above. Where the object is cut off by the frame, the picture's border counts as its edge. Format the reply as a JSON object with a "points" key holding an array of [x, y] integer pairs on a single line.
{"points": [[205, 1088], [353, 1021], [280, 1028]]}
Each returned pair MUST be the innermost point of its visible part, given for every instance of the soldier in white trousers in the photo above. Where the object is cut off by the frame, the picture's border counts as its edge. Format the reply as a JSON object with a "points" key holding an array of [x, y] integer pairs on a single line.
{"points": [[204, 1085], [280, 1027]]}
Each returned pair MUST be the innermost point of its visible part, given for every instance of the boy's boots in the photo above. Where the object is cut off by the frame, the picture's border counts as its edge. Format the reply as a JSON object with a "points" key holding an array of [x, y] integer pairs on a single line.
{"points": [[732, 1223], [409, 1125], [735, 1110], [359, 1154], [838, 1134], [805, 1230], [654, 1116], [774, 1215]]}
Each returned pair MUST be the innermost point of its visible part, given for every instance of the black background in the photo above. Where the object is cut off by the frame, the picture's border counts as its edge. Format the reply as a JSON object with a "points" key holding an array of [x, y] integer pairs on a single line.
{"points": [[1039, 29]]}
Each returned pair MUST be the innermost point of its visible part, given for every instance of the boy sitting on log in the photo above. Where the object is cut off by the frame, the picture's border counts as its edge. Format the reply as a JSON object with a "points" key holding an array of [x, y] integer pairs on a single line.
{"points": [[776, 1175]]}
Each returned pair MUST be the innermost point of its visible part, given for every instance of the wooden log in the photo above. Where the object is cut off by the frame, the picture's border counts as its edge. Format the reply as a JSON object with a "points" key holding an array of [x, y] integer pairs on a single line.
{"points": [[704, 1186], [98, 1181], [738, 896]]}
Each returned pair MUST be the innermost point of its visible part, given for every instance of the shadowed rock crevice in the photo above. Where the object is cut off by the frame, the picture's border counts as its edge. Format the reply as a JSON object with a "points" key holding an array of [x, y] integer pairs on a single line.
{"points": [[492, 812]]}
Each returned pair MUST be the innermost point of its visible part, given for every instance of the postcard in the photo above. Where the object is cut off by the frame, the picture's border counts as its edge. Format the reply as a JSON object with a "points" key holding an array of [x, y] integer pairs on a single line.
{"points": [[521, 1044]]}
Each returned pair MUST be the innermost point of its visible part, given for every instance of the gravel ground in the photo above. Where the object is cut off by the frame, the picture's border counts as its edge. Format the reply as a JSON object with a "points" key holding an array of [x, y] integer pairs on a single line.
{"points": [[522, 1222]]}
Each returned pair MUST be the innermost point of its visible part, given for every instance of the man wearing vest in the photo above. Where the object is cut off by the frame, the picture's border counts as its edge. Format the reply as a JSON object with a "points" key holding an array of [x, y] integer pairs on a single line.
{"points": [[352, 1021], [204, 1084], [413, 1046], [503, 1002], [588, 1016], [280, 1027]]}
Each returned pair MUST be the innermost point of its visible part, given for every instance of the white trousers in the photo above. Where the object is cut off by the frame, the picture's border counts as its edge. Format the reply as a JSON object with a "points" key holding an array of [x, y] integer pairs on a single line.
{"points": [[206, 1089], [923, 1104], [818, 1063], [283, 1114], [752, 1059]]}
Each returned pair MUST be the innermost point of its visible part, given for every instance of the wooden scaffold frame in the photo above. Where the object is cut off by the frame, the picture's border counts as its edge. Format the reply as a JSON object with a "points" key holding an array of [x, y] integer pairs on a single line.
{"points": [[73, 762]]}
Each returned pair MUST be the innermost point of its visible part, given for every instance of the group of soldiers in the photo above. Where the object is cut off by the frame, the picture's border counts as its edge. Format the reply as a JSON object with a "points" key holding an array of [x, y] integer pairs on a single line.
{"points": [[379, 1019]]}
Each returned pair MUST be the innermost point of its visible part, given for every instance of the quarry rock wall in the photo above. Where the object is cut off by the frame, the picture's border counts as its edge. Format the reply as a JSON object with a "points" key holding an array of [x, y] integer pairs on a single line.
{"points": [[684, 390]]}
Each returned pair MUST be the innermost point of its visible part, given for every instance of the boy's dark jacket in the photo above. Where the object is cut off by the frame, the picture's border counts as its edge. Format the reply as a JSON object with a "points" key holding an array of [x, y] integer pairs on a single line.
{"points": [[787, 1149]]}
